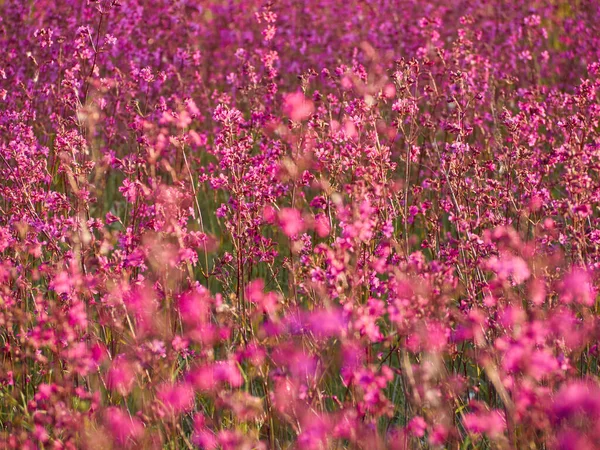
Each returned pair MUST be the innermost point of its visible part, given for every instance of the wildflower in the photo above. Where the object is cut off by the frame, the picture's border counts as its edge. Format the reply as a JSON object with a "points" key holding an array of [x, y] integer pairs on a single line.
{"points": [[291, 222], [175, 399], [122, 427], [490, 423], [577, 287], [297, 107], [417, 426], [121, 376]]}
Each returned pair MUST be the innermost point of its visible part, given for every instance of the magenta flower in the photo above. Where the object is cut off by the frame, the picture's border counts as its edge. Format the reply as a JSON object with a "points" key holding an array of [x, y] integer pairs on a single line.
{"points": [[121, 376], [291, 222], [297, 107], [175, 399], [252, 225], [123, 428], [490, 423]]}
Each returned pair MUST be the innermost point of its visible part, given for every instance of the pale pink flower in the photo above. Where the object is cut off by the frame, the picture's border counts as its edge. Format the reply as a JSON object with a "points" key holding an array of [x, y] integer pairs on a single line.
{"points": [[297, 107]]}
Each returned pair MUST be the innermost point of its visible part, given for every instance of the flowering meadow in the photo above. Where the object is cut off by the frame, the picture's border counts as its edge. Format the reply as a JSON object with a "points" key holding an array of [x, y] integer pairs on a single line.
{"points": [[311, 224]]}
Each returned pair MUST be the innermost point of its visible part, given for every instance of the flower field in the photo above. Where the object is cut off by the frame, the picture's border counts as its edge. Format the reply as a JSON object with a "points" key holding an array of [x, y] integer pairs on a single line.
{"points": [[317, 224]]}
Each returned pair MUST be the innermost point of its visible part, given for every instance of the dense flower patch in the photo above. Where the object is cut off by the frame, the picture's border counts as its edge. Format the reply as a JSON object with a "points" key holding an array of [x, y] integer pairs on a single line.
{"points": [[299, 224]]}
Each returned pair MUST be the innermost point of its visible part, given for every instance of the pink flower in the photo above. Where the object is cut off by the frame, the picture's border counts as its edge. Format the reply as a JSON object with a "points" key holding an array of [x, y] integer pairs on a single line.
{"points": [[266, 302], [5, 238], [203, 437], [291, 222], [297, 107], [121, 376], [577, 287], [327, 323], [417, 426], [213, 376], [575, 398], [194, 308], [62, 283], [78, 315], [490, 423], [322, 226], [509, 266], [129, 190], [176, 399], [122, 426]]}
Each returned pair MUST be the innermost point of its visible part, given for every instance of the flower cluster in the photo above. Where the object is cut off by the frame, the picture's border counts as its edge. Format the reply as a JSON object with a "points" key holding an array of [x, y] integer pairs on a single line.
{"points": [[311, 224]]}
